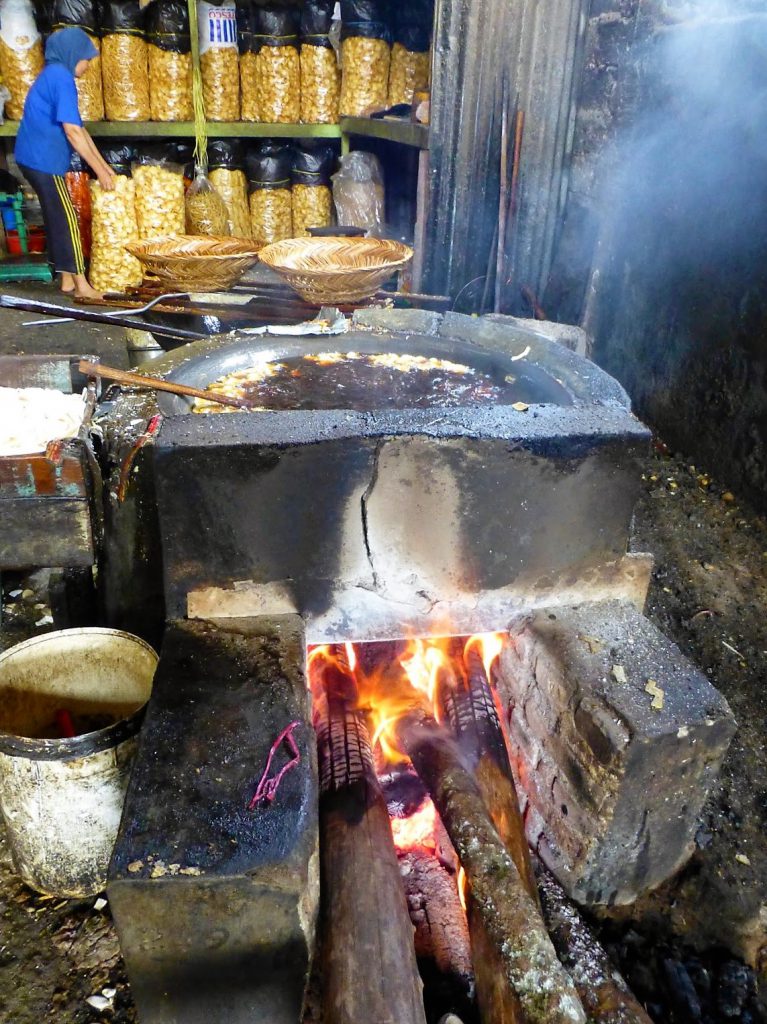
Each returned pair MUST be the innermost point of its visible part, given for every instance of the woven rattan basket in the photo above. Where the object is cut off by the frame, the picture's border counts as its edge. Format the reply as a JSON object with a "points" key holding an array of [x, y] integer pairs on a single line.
{"points": [[326, 271], [195, 262]]}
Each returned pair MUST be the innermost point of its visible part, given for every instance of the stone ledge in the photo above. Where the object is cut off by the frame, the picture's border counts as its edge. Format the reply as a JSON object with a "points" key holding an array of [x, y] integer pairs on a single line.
{"points": [[611, 787], [215, 904]]}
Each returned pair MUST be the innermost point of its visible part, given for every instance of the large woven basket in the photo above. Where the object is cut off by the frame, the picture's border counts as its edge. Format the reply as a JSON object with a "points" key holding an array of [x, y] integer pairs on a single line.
{"points": [[326, 271], [196, 263]]}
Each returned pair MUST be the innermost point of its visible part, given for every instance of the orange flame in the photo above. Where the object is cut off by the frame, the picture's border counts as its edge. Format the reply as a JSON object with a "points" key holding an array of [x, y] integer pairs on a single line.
{"points": [[416, 679], [462, 886], [488, 646], [418, 831]]}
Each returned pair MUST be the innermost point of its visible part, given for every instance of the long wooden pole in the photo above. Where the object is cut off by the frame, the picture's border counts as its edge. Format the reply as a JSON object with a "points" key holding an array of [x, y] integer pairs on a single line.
{"points": [[370, 972]]}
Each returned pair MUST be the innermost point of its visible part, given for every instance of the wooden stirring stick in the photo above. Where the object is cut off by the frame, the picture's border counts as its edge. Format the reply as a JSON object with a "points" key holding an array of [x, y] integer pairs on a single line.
{"points": [[132, 379]]}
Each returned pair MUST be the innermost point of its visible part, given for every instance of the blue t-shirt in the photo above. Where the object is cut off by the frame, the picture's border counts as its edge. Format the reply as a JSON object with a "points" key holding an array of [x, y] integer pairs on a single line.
{"points": [[51, 102]]}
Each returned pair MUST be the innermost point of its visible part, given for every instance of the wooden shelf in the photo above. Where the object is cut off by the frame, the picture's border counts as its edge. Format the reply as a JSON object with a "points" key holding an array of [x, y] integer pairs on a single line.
{"points": [[185, 129], [406, 133]]}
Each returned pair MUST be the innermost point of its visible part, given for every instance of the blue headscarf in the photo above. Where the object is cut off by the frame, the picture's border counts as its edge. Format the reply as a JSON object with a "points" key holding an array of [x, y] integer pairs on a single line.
{"points": [[68, 46]]}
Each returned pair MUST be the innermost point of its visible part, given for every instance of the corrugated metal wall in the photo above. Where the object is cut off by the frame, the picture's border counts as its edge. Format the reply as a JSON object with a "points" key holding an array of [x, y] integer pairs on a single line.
{"points": [[537, 44]]}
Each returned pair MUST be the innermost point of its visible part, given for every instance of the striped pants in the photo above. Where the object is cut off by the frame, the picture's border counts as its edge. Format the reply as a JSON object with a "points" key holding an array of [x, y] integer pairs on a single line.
{"points": [[65, 247]]}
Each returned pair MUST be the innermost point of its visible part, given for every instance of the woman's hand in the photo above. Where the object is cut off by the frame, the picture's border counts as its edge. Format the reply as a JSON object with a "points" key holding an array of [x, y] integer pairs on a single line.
{"points": [[107, 179]]}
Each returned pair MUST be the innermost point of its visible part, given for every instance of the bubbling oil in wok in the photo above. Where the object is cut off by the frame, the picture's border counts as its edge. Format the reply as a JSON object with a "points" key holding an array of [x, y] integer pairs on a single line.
{"points": [[361, 381]]}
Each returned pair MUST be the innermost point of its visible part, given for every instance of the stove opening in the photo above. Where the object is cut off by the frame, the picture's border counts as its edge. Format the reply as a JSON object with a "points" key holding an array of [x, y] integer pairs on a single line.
{"points": [[403, 726]]}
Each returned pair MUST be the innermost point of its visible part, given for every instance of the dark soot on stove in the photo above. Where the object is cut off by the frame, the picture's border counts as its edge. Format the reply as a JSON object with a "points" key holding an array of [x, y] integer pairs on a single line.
{"points": [[366, 382]]}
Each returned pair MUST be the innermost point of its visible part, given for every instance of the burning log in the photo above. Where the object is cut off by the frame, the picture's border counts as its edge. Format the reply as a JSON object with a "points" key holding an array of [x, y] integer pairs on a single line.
{"points": [[469, 706], [474, 720], [370, 971], [473, 716], [442, 943], [605, 995], [533, 987]]}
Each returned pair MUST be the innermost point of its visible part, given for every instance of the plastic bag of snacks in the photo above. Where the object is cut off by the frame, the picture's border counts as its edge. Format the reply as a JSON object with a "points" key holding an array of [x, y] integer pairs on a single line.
{"points": [[320, 74], [226, 174], [247, 50], [410, 57], [219, 60], [271, 206], [365, 56], [170, 61], [124, 61], [113, 223], [310, 178], [83, 14], [78, 182], [206, 212], [159, 180], [358, 193], [278, 65], [21, 53]]}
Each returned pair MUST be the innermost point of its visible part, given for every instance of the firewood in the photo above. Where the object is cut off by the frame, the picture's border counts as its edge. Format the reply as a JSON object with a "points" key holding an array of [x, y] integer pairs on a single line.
{"points": [[474, 720], [539, 990], [605, 995], [469, 707], [369, 963], [442, 942]]}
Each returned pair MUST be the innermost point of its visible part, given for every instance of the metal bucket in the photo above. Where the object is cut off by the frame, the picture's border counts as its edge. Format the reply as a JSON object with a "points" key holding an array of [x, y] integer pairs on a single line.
{"points": [[62, 798]]}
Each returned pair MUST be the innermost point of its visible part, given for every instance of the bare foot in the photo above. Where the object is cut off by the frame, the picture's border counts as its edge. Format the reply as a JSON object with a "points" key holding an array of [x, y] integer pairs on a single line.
{"points": [[83, 289], [89, 293], [67, 283]]}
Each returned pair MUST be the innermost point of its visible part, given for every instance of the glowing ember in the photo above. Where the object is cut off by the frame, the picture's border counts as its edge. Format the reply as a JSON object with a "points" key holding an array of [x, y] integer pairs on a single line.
{"points": [[417, 831]]}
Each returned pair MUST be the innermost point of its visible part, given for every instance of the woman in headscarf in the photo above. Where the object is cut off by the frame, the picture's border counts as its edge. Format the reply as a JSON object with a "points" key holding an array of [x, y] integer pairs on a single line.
{"points": [[50, 129]]}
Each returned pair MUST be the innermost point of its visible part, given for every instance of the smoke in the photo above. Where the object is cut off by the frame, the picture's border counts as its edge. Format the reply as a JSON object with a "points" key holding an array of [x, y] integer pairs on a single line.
{"points": [[692, 172], [678, 296]]}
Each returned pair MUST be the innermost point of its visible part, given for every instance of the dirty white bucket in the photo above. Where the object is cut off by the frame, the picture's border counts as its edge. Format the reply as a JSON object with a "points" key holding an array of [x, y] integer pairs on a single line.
{"points": [[62, 798]]}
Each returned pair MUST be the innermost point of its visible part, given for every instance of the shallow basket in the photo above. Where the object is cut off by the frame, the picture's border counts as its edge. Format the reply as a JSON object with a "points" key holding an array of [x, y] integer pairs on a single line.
{"points": [[196, 262], [327, 271]]}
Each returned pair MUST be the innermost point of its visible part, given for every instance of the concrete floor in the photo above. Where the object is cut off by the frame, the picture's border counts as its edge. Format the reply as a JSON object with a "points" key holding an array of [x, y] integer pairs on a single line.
{"points": [[708, 593], [79, 338]]}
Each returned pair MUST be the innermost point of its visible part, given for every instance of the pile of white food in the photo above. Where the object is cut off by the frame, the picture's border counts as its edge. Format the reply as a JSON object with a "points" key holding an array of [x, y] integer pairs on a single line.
{"points": [[32, 417]]}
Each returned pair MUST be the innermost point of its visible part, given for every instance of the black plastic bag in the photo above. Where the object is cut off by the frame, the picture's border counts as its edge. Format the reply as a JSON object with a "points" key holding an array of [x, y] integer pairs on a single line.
{"points": [[77, 13], [172, 153], [226, 154], [167, 25], [119, 156], [268, 165], [275, 26], [44, 16], [122, 16], [245, 25], [313, 164], [366, 18], [315, 22], [412, 26], [78, 166]]}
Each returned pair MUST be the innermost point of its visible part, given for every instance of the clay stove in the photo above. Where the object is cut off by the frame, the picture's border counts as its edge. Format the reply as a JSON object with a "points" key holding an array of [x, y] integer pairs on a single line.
{"points": [[288, 529]]}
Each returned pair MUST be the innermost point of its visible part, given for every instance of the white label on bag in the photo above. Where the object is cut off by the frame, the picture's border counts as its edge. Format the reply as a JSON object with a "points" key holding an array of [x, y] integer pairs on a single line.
{"points": [[218, 26], [17, 24]]}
